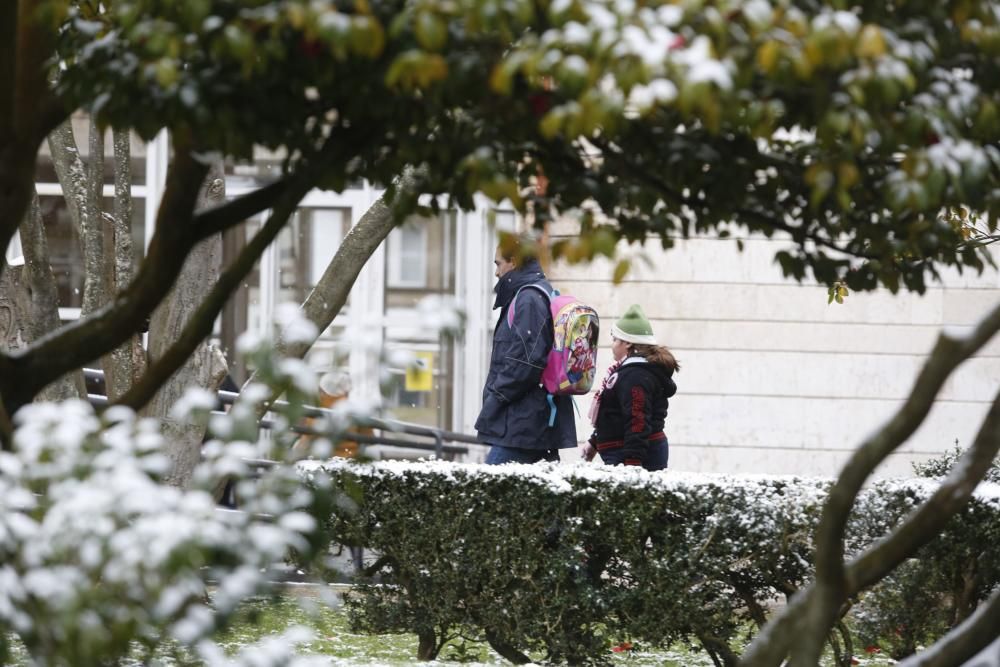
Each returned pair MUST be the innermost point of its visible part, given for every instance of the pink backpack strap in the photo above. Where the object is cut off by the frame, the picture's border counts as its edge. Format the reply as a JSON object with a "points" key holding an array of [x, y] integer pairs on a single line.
{"points": [[513, 302]]}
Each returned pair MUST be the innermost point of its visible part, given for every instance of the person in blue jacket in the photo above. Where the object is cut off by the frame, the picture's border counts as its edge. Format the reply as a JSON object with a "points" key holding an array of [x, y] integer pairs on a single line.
{"points": [[518, 420]]}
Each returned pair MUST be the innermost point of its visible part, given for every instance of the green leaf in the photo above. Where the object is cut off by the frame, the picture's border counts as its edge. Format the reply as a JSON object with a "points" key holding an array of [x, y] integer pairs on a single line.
{"points": [[431, 31], [621, 270], [552, 123]]}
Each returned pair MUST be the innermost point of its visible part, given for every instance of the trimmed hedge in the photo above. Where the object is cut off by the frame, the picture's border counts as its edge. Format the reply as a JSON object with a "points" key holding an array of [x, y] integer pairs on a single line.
{"points": [[564, 561]]}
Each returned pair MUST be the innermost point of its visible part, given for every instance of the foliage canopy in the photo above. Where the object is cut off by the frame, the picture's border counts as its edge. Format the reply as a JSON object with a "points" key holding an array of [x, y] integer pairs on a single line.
{"points": [[858, 129]]}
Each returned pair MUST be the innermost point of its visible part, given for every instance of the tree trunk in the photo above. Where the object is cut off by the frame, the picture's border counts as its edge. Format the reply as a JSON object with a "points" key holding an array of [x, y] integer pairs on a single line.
{"points": [[207, 366], [71, 173], [505, 650], [126, 363], [29, 302], [39, 309], [92, 227], [11, 319], [427, 646]]}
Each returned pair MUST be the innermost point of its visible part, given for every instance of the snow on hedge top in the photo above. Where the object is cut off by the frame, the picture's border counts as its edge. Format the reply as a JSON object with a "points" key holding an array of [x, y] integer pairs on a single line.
{"points": [[558, 477]]}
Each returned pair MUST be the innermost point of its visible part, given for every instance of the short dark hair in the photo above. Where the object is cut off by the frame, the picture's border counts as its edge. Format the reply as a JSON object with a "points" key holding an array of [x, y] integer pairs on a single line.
{"points": [[517, 248]]}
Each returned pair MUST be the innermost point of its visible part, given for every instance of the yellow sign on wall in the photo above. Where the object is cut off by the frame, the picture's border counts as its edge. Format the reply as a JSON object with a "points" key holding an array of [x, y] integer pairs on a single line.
{"points": [[420, 374]]}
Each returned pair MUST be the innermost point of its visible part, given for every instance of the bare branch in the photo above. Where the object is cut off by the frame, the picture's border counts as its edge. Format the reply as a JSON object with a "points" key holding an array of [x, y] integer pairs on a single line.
{"points": [[932, 515], [199, 324], [52, 110], [220, 218], [123, 208], [17, 185], [34, 44], [947, 354], [175, 235], [809, 617], [980, 241], [331, 291], [6, 426], [871, 566], [962, 643], [8, 67], [81, 341]]}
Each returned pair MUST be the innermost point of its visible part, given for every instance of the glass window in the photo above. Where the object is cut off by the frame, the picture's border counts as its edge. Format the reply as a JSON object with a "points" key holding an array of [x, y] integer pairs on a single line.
{"points": [[302, 251], [420, 260], [422, 395], [408, 256]]}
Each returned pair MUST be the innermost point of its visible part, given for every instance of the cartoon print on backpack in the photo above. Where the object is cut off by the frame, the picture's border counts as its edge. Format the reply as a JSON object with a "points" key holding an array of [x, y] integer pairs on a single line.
{"points": [[570, 367], [583, 355]]}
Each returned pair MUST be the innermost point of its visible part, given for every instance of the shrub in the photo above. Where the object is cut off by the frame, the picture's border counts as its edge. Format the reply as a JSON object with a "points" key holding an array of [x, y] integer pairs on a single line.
{"points": [[561, 562], [101, 560], [940, 466]]}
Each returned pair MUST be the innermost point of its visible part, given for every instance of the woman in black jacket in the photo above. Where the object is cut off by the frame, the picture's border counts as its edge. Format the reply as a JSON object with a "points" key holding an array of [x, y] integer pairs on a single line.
{"points": [[631, 406]]}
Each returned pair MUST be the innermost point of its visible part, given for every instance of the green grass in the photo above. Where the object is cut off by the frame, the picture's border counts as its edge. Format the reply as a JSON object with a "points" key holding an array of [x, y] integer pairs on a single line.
{"points": [[333, 639]]}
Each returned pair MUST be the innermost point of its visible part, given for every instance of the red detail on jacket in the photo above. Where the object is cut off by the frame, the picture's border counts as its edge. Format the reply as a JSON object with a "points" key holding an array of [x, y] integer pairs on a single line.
{"points": [[638, 409], [617, 444]]}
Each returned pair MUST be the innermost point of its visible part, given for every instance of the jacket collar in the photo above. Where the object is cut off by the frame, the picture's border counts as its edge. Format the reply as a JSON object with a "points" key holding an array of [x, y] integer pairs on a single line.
{"points": [[507, 286]]}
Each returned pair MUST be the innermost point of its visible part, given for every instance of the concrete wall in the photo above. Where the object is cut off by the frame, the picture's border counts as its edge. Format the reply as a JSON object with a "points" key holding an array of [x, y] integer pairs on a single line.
{"points": [[773, 379]]}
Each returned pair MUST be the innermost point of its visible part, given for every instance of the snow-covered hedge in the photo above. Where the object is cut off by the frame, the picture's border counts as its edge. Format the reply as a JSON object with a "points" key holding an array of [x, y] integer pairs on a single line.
{"points": [[566, 560]]}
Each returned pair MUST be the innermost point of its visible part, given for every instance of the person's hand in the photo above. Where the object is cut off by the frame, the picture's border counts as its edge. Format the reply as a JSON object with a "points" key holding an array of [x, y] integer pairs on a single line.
{"points": [[588, 451]]}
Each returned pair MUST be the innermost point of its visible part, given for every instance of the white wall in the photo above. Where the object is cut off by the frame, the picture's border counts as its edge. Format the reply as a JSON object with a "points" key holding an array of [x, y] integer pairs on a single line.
{"points": [[773, 379]]}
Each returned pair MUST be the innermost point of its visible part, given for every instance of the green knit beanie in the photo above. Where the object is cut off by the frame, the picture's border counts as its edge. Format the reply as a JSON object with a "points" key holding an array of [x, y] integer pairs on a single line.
{"points": [[633, 327]]}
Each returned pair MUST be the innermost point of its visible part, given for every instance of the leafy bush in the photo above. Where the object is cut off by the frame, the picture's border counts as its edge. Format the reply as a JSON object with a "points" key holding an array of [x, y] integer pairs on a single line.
{"points": [[101, 559], [561, 562], [948, 578], [941, 465]]}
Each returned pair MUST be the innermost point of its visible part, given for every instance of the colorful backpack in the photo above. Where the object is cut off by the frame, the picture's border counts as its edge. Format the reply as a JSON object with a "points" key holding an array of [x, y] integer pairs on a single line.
{"points": [[572, 362]]}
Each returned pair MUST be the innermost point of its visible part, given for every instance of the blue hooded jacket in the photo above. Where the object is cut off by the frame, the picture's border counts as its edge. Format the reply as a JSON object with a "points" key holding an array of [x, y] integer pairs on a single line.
{"points": [[516, 409]]}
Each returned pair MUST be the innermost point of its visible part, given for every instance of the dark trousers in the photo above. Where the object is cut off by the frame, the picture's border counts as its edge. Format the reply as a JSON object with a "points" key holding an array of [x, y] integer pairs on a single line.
{"points": [[499, 454], [657, 453]]}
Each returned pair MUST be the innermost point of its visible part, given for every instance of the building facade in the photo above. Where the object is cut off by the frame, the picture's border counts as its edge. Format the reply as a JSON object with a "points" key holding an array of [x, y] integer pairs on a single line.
{"points": [[773, 379], [776, 380]]}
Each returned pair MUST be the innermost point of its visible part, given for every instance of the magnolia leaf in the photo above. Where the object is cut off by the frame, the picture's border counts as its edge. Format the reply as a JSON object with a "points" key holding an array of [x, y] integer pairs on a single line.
{"points": [[768, 55], [501, 80], [431, 31], [552, 123], [621, 270], [871, 43]]}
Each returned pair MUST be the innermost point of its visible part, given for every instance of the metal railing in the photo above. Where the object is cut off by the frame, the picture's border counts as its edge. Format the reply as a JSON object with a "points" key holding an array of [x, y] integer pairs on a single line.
{"points": [[387, 431]]}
